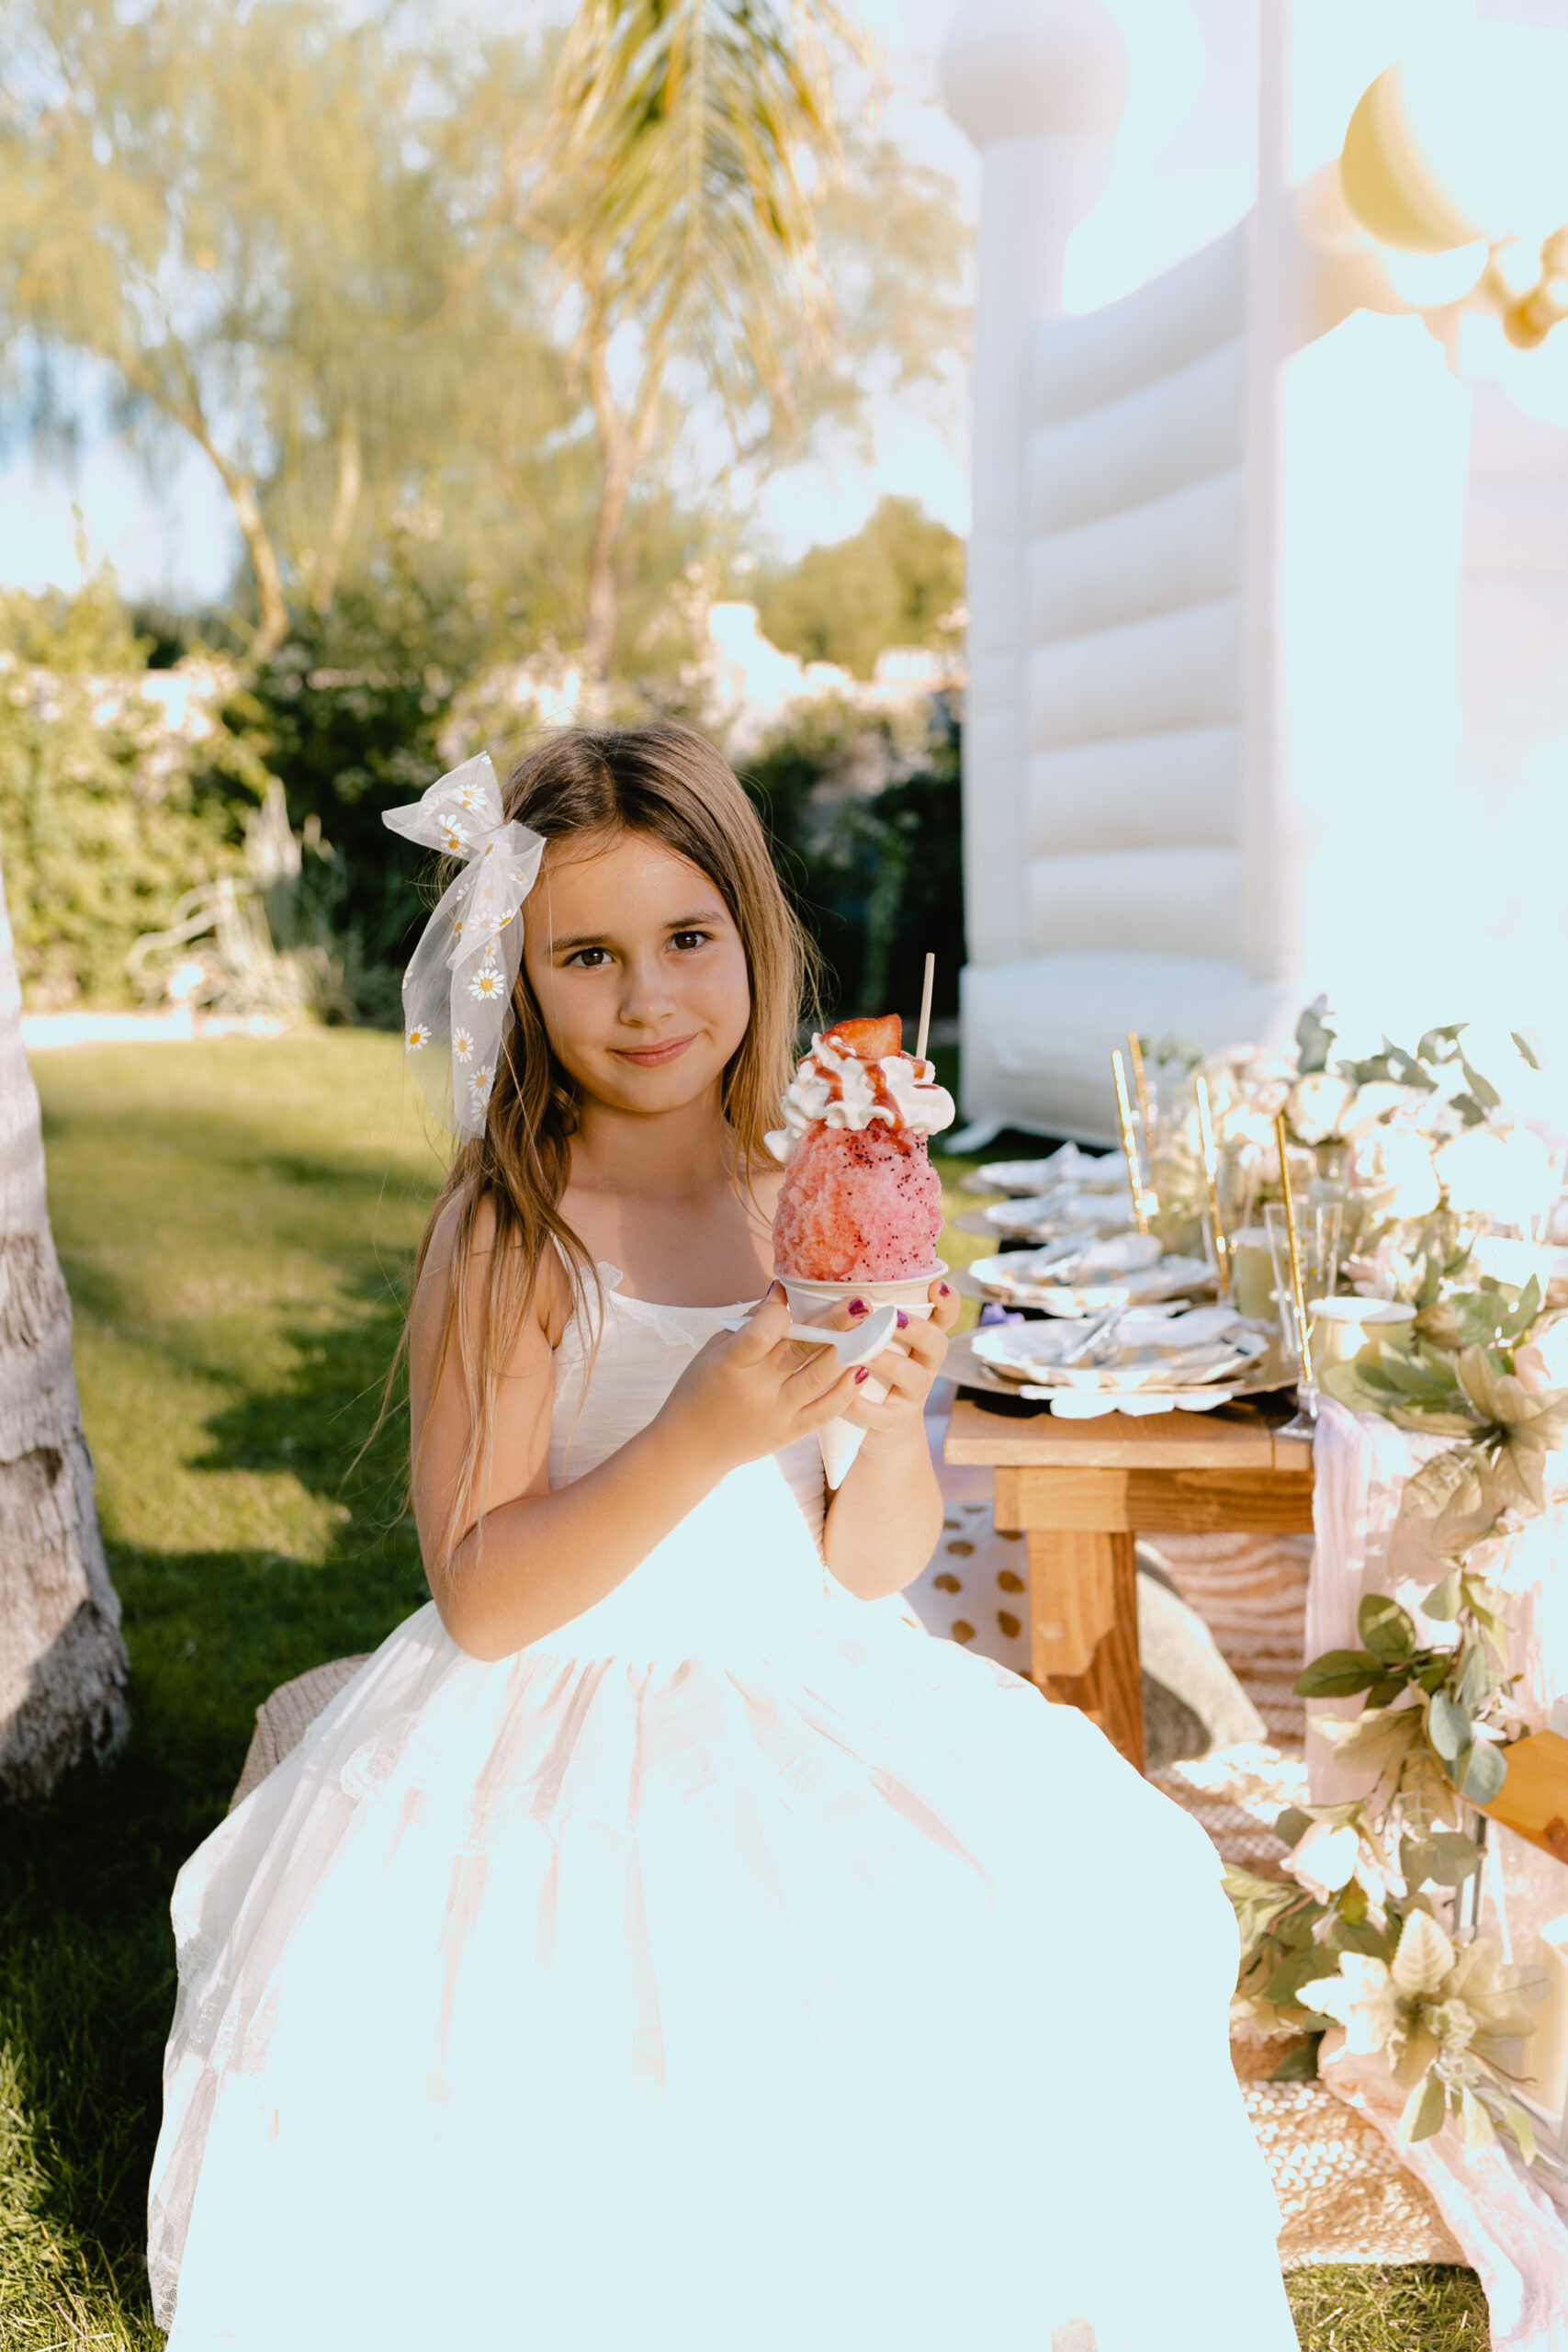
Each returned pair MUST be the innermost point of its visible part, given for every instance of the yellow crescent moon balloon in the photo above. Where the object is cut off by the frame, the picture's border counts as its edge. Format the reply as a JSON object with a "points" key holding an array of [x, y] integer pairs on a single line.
{"points": [[1466, 139]]}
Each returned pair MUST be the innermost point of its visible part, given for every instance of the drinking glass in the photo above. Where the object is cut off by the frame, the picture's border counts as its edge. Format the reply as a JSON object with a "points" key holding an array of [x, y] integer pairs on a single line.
{"points": [[1317, 1240]]}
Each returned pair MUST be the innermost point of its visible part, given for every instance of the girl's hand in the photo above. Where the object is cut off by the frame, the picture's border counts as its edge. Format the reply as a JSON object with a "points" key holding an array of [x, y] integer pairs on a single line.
{"points": [[895, 1419], [751, 1392]]}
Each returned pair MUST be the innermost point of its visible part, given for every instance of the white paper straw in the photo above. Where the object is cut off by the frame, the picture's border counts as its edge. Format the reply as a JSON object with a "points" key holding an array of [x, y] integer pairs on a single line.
{"points": [[925, 1009]]}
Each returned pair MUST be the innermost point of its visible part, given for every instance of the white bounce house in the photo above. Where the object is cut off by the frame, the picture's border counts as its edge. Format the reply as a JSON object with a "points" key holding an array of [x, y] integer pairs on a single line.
{"points": [[1268, 563]]}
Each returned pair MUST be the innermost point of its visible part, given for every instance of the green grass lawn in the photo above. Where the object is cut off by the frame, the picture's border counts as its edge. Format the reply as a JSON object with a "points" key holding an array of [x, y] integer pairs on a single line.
{"points": [[235, 1219]]}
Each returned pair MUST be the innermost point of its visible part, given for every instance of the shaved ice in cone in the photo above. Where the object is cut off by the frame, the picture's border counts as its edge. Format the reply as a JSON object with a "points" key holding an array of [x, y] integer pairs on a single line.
{"points": [[860, 1208]]}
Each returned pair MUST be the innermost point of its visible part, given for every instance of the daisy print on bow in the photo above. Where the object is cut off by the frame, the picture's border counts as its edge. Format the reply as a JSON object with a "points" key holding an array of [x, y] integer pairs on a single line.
{"points": [[458, 988]]}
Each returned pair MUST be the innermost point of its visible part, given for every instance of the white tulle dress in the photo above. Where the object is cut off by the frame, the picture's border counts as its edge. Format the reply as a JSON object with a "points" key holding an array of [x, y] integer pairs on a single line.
{"points": [[593, 2000]]}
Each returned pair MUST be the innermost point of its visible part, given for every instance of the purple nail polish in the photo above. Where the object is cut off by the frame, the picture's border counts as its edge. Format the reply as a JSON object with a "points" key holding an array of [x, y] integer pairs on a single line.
{"points": [[862, 1370], [903, 1320], [858, 1307], [943, 1292]]}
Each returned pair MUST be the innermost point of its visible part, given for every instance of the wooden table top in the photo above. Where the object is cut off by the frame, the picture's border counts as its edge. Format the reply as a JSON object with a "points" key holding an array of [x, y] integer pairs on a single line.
{"points": [[1246, 1439]]}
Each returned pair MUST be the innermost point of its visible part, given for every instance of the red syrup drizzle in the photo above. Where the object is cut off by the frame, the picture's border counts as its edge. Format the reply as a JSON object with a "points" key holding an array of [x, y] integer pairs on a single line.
{"points": [[867, 1041]]}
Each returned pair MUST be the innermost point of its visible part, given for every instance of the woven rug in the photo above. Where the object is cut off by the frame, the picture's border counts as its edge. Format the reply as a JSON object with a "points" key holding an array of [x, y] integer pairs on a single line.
{"points": [[1250, 1591]]}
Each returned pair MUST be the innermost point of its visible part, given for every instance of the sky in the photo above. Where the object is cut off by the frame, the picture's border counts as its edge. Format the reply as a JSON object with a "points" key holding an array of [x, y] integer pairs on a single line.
{"points": [[1183, 171]]}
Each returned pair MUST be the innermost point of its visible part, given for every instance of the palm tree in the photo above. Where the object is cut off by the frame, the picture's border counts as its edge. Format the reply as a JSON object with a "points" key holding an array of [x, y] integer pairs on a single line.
{"points": [[690, 145], [62, 1662]]}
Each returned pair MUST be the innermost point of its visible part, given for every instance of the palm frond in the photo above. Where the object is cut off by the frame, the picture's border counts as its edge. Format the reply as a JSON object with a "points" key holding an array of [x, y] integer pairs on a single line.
{"points": [[689, 143]]}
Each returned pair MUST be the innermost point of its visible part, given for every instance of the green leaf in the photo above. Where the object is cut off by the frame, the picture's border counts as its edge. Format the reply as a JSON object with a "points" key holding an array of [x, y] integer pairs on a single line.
{"points": [[1447, 1726], [1454, 1858], [1361, 1934], [1476, 1679], [1421, 2047], [1258, 1903], [1484, 1774], [1357, 1384], [1515, 2119], [1424, 2110], [1386, 1689], [1431, 1048], [1518, 1323], [1428, 1380], [1313, 1037], [1430, 1287], [1338, 1673], [1292, 1825], [1485, 1094], [1416, 1859], [1385, 1627], [1393, 1063], [1442, 1603], [1476, 2129], [1299, 2064], [1526, 1050], [1298, 1969]]}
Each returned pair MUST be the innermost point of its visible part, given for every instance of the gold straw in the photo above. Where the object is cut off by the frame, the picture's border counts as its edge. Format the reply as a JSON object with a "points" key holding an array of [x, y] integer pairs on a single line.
{"points": [[1297, 1286], [1141, 1088], [1211, 1178], [1129, 1145]]}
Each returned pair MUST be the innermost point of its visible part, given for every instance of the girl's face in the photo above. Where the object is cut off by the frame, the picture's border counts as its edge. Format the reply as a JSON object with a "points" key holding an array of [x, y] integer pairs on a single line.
{"points": [[638, 969]]}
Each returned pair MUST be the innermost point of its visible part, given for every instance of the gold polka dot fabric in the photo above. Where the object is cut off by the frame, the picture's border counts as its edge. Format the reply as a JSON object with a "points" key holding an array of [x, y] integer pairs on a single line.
{"points": [[974, 1589]]}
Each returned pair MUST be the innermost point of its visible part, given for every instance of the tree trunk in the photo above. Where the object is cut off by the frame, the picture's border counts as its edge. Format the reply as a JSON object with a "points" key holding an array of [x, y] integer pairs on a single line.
{"points": [[623, 444], [62, 1662], [603, 611], [350, 477], [264, 559]]}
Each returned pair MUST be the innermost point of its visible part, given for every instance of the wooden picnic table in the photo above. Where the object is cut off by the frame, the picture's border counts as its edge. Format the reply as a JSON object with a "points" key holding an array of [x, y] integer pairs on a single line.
{"points": [[1081, 1491]]}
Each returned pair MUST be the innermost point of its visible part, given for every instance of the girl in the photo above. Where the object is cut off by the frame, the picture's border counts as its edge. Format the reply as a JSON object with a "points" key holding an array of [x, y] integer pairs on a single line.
{"points": [[662, 1940]]}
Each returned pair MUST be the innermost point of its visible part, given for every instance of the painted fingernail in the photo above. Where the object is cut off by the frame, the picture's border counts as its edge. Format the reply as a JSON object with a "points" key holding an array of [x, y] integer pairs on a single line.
{"points": [[903, 1320], [862, 1371], [858, 1307], [943, 1290]]}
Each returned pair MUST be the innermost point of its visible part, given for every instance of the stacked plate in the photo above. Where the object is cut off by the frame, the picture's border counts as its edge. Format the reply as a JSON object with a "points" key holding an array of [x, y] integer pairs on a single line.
{"points": [[1085, 1275], [1080, 1171], [1132, 1360], [1051, 1216]]}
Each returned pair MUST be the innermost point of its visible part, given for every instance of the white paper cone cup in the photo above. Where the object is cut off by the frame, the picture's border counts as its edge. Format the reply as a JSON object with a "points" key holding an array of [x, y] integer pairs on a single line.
{"points": [[840, 1441], [813, 1302]]}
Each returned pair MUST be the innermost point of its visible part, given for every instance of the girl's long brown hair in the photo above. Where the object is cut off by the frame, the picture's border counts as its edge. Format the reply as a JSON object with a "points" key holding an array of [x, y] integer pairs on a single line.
{"points": [[670, 785]]}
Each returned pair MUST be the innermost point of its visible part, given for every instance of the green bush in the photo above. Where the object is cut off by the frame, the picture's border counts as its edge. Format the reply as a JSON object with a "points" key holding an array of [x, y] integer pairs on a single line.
{"points": [[108, 813], [897, 582], [351, 711], [864, 814]]}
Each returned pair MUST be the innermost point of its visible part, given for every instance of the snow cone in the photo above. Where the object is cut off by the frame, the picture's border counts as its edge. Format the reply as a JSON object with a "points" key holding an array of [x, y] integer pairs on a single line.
{"points": [[860, 1208]]}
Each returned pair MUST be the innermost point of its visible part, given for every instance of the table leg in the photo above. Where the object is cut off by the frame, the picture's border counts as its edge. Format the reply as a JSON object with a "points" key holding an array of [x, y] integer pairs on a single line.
{"points": [[1083, 1629]]}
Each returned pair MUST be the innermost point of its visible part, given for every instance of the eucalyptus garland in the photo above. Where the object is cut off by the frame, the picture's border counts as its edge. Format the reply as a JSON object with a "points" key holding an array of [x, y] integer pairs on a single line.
{"points": [[1350, 1934]]}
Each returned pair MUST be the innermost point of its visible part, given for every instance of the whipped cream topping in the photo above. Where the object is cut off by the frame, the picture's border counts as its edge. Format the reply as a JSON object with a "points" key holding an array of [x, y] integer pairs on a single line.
{"points": [[838, 1090]]}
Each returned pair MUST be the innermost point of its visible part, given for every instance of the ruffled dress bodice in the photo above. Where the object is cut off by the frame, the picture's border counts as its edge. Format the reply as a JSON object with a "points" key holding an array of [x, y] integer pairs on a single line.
{"points": [[743, 1574]]}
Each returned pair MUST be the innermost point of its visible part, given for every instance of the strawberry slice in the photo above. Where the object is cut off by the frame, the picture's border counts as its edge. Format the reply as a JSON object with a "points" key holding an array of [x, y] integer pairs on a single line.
{"points": [[868, 1041]]}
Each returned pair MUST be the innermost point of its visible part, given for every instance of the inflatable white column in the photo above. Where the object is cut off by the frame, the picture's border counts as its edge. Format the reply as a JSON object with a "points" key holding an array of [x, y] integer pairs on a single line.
{"points": [[1040, 86]]}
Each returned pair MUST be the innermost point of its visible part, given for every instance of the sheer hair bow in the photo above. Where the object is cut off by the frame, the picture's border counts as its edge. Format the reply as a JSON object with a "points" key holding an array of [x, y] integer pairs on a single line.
{"points": [[458, 988]]}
